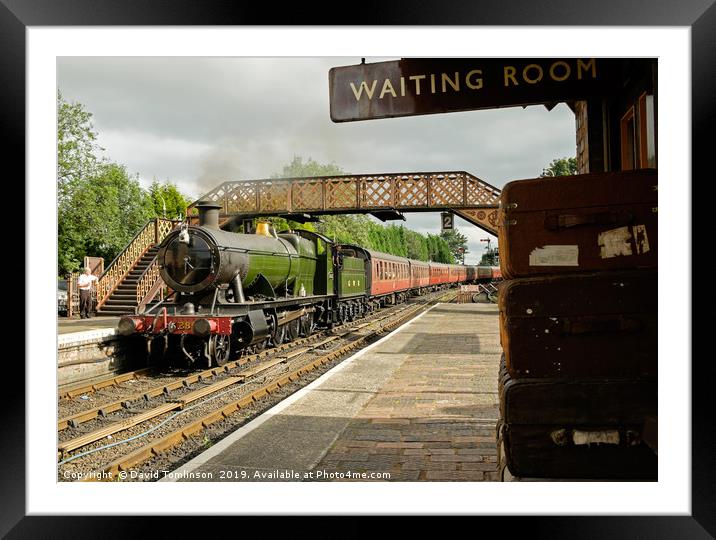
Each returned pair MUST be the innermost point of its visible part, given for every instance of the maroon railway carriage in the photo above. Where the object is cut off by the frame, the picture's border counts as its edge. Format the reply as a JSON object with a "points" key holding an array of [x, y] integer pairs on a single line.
{"points": [[390, 274], [419, 274], [457, 273], [439, 273]]}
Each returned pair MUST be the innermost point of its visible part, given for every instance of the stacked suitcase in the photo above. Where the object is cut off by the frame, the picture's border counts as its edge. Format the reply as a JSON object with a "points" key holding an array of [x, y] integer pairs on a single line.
{"points": [[578, 326]]}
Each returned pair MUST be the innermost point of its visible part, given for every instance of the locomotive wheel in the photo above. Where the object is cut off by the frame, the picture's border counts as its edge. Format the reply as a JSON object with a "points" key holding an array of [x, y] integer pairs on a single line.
{"points": [[219, 347], [280, 335], [308, 325], [158, 351], [292, 329]]}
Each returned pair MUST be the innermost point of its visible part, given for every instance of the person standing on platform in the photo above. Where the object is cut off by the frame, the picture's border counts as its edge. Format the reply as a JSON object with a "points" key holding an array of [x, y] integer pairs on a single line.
{"points": [[84, 284]]}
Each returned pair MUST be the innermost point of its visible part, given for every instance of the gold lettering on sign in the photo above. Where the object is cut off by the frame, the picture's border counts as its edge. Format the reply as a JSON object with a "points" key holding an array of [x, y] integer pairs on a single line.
{"points": [[540, 74], [567, 71], [510, 74], [478, 83], [455, 84], [369, 93], [582, 65], [416, 78], [531, 74], [387, 87]]}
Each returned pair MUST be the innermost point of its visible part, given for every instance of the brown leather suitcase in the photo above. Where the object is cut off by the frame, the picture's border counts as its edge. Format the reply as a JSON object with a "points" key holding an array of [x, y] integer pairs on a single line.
{"points": [[582, 325], [577, 401], [578, 452], [581, 223]]}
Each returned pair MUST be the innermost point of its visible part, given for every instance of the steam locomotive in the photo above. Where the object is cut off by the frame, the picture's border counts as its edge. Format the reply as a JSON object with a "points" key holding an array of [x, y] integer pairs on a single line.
{"points": [[234, 292]]}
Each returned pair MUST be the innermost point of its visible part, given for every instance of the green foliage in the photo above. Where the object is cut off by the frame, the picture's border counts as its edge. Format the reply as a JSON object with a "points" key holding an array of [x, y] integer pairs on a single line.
{"points": [[438, 249], [167, 201], [101, 216], [457, 243], [76, 147], [393, 239], [560, 167], [298, 169], [490, 258], [349, 229]]}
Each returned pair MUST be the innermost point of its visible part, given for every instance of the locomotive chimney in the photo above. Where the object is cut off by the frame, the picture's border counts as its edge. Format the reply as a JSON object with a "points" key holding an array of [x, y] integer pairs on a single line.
{"points": [[208, 214]]}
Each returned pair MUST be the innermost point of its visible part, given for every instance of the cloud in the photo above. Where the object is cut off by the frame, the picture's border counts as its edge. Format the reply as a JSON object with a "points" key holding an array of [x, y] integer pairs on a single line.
{"points": [[154, 157]]}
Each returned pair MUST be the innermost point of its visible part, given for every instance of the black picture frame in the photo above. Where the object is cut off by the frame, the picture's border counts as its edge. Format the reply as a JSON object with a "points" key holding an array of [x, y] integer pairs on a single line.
{"points": [[699, 15]]}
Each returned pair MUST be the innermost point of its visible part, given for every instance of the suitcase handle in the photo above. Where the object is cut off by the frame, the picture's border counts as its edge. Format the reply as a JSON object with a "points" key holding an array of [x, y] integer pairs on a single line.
{"points": [[603, 325], [553, 222]]}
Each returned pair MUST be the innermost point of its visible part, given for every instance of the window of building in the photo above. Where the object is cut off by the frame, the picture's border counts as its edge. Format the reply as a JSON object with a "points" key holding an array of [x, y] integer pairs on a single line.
{"points": [[638, 135], [647, 135], [628, 140]]}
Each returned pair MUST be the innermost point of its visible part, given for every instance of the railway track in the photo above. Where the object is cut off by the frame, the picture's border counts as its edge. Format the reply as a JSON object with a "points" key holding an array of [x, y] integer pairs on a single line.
{"points": [[232, 390], [112, 391], [68, 393]]}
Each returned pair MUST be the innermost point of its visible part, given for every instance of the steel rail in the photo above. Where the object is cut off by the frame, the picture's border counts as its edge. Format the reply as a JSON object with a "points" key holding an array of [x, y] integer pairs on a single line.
{"points": [[104, 383]]}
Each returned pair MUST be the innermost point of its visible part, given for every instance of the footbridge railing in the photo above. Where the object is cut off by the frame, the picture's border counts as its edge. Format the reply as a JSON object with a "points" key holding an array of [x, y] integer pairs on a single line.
{"points": [[151, 234]]}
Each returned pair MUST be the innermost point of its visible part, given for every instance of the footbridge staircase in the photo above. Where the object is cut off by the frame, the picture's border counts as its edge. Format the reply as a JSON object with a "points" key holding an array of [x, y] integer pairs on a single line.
{"points": [[132, 280]]}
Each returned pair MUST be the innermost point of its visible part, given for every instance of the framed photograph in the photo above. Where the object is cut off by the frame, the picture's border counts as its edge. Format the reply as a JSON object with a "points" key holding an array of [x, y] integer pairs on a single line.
{"points": [[198, 98]]}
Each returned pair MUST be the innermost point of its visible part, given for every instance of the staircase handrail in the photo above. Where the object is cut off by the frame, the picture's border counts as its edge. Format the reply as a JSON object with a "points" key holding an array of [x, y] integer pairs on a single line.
{"points": [[152, 233], [149, 284]]}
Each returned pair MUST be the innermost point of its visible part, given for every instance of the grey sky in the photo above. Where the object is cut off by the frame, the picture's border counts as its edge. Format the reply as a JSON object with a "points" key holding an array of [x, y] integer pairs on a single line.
{"points": [[200, 121]]}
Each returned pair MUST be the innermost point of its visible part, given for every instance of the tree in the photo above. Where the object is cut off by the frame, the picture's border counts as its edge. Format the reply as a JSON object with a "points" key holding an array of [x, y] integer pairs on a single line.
{"points": [[490, 257], [560, 167], [457, 243], [167, 201], [76, 147], [297, 169], [102, 216]]}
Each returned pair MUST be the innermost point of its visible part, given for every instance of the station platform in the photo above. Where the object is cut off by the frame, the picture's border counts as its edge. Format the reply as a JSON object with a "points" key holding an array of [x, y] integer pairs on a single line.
{"points": [[421, 404], [89, 349], [75, 324]]}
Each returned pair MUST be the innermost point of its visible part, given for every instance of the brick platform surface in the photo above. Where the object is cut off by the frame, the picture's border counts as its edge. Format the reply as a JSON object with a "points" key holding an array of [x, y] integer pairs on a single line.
{"points": [[435, 418], [421, 405]]}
